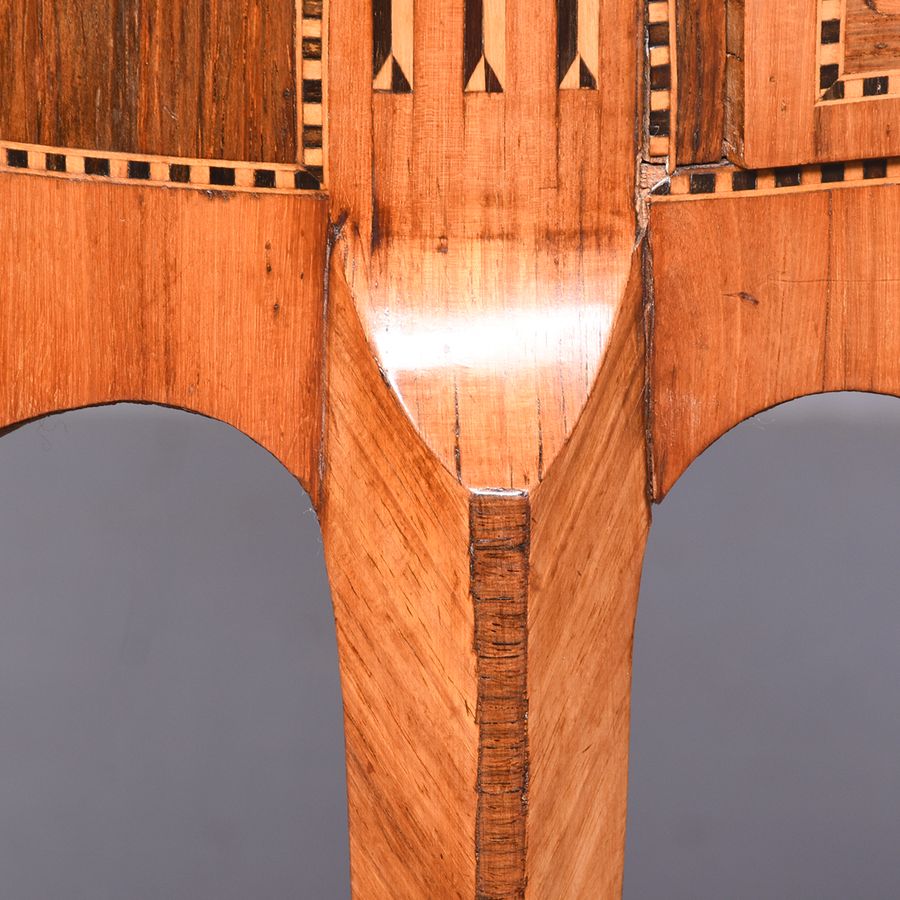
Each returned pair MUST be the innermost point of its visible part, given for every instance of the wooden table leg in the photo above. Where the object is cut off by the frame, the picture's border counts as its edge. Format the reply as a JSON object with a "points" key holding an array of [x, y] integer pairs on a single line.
{"points": [[485, 640]]}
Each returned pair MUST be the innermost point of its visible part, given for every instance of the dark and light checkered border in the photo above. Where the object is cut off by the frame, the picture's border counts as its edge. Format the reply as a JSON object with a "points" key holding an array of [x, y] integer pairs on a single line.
{"points": [[205, 174], [659, 79], [723, 181], [833, 83], [312, 61]]}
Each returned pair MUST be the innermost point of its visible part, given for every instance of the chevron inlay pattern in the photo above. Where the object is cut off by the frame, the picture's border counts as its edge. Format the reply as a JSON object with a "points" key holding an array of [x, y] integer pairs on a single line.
{"points": [[577, 43], [392, 46], [484, 55]]}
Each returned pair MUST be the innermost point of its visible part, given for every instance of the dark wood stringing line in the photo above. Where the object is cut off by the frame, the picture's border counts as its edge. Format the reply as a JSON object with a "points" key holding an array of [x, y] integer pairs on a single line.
{"points": [[500, 532]]}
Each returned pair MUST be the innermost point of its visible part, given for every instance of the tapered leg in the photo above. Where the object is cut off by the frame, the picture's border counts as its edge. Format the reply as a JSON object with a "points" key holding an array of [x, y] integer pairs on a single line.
{"points": [[485, 640]]}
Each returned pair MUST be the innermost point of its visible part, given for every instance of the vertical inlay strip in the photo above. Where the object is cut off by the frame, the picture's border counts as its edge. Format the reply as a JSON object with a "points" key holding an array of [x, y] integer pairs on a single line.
{"points": [[484, 47], [578, 43], [312, 59], [392, 46], [500, 529]]}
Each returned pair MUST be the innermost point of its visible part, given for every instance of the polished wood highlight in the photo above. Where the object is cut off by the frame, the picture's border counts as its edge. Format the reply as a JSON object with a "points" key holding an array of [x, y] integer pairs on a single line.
{"points": [[476, 272], [198, 78], [466, 214]]}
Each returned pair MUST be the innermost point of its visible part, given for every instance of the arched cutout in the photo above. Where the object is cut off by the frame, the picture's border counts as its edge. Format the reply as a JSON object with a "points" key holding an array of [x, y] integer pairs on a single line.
{"points": [[170, 699], [766, 709]]}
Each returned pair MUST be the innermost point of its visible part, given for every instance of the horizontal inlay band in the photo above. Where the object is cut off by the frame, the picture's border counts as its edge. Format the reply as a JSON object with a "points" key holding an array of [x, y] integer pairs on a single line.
{"points": [[720, 181], [202, 174]]}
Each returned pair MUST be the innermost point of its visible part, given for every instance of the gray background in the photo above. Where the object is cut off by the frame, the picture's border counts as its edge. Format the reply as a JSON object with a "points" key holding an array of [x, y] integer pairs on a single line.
{"points": [[169, 701]]}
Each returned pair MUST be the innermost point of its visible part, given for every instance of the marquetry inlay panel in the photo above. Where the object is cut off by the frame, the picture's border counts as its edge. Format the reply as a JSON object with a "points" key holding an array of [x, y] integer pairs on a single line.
{"points": [[722, 181], [188, 88], [812, 82], [859, 49], [135, 168]]}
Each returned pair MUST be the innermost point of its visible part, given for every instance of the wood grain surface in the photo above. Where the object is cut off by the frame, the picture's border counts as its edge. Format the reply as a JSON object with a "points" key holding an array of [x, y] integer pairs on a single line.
{"points": [[488, 234], [871, 36], [700, 37], [201, 78], [479, 352], [499, 540], [193, 299], [590, 518], [774, 113], [396, 530], [797, 296]]}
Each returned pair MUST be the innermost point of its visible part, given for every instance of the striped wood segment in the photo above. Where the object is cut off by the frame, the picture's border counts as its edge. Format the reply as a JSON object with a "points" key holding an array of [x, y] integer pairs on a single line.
{"points": [[197, 78], [500, 524]]}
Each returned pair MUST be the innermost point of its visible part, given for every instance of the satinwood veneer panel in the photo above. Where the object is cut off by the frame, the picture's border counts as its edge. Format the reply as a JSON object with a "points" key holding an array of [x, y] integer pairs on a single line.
{"points": [[197, 78], [759, 300], [202, 300]]}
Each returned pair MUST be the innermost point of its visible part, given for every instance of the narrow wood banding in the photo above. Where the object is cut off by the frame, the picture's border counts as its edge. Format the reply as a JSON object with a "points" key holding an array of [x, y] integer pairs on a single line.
{"points": [[312, 88], [215, 174], [724, 181], [660, 79], [500, 539]]}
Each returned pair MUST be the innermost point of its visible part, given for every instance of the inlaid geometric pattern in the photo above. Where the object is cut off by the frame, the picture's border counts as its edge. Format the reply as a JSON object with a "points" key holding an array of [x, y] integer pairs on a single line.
{"points": [[392, 46], [311, 57], [216, 175], [484, 46], [859, 50], [577, 43], [731, 180], [659, 63]]}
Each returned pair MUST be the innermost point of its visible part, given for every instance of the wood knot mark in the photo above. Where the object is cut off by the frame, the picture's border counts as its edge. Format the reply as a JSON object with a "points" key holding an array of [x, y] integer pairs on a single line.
{"points": [[500, 534], [745, 296]]}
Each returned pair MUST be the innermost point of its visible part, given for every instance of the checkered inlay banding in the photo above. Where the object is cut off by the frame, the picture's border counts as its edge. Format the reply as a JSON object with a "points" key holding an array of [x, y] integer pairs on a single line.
{"points": [[659, 78], [312, 121], [731, 180], [209, 174], [833, 83]]}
